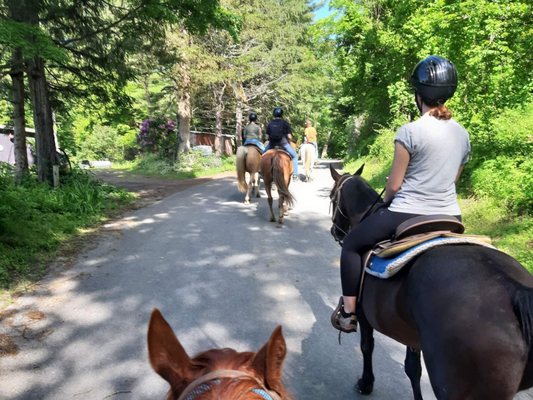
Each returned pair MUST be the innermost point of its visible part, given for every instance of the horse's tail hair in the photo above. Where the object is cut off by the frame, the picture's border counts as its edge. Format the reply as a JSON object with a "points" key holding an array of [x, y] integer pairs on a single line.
{"points": [[279, 180], [241, 168], [523, 307]]}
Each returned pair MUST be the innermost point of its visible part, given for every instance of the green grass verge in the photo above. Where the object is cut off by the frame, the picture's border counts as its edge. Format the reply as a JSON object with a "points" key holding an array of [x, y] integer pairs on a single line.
{"points": [[36, 219], [191, 165]]}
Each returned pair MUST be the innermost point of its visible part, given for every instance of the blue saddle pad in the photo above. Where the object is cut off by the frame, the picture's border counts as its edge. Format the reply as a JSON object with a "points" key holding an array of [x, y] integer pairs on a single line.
{"points": [[388, 267]]}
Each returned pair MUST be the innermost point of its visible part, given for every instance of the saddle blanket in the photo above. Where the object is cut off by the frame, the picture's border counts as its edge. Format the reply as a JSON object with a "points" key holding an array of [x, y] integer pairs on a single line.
{"points": [[387, 267]]}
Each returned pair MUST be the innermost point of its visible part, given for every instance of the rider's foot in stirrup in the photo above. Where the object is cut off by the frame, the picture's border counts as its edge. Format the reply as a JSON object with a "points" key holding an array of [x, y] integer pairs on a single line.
{"points": [[343, 321]]}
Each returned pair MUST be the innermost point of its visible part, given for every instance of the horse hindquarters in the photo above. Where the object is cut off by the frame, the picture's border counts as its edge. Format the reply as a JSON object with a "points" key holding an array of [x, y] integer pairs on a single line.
{"points": [[461, 302]]}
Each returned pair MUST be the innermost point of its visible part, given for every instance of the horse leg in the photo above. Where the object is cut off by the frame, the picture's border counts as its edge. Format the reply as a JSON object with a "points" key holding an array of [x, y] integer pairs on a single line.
{"points": [[256, 182], [281, 210], [268, 189], [365, 384], [413, 369], [248, 190]]}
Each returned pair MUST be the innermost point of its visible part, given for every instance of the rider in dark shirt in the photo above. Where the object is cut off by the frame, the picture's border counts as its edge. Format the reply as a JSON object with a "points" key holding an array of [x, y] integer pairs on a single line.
{"points": [[279, 133]]}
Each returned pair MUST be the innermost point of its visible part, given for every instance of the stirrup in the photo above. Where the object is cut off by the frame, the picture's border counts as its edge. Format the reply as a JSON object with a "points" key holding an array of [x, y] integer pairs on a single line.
{"points": [[350, 322]]}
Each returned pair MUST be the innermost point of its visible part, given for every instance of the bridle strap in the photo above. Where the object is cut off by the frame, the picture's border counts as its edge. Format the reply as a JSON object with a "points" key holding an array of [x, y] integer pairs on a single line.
{"points": [[222, 374], [335, 202]]}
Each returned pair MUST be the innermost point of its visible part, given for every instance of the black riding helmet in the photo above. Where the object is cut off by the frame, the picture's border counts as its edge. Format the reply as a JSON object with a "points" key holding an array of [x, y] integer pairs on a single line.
{"points": [[278, 112], [252, 117], [435, 79]]}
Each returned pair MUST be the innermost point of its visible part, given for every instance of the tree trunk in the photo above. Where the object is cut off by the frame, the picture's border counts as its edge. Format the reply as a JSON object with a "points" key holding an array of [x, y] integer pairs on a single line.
{"points": [[42, 118], [184, 111], [238, 123], [219, 110], [19, 120]]}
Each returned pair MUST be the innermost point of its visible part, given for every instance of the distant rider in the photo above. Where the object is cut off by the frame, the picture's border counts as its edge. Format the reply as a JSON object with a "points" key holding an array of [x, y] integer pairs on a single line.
{"points": [[279, 133], [311, 136], [252, 133]]}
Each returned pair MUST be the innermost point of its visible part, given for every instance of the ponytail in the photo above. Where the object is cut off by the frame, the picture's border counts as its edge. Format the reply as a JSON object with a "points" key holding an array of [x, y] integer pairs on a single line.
{"points": [[441, 112]]}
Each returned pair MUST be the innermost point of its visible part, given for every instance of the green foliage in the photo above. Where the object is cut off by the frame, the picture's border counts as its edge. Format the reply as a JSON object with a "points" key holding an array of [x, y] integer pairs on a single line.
{"points": [[102, 144], [510, 233], [508, 179], [32, 40], [35, 218]]}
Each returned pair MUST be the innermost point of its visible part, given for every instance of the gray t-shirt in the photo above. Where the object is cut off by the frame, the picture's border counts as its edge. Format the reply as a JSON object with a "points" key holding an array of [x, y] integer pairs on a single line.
{"points": [[437, 148]]}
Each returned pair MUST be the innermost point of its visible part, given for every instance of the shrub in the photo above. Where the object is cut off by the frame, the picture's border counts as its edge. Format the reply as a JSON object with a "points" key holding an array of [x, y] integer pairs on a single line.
{"points": [[507, 179], [158, 136]]}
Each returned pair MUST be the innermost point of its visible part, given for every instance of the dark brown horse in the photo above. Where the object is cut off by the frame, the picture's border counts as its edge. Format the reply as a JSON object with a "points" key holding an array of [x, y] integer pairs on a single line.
{"points": [[248, 160], [216, 373], [276, 167], [468, 308]]}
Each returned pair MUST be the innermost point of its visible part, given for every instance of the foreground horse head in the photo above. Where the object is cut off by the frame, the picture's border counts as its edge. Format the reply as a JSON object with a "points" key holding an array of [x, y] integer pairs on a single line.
{"points": [[217, 373], [248, 160], [276, 167], [307, 154], [468, 308]]}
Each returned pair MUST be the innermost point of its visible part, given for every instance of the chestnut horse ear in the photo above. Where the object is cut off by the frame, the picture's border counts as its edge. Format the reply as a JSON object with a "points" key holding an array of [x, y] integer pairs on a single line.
{"points": [[167, 356], [269, 360], [360, 170], [334, 174]]}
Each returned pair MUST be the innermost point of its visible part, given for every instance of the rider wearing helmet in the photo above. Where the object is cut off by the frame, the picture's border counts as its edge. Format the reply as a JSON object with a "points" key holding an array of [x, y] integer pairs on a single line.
{"points": [[279, 133], [310, 136], [252, 133], [429, 155]]}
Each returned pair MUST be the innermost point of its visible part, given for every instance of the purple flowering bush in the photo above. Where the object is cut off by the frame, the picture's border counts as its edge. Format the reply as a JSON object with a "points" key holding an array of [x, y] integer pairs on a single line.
{"points": [[158, 136]]}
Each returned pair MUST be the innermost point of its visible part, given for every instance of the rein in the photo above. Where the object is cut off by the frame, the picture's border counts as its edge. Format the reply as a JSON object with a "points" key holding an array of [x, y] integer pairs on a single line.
{"points": [[204, 383], [335, 205]]}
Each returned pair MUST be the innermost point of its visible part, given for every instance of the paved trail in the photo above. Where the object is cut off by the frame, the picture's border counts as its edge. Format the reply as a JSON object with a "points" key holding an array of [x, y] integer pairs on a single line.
{"points": [[222, 275]]}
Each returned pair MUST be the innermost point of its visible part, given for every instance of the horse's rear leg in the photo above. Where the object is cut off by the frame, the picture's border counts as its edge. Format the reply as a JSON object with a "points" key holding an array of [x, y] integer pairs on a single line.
{"points": [[270, 202], [256, 185], [281, 209], [249, 189], [365, 384], [413, 369]]}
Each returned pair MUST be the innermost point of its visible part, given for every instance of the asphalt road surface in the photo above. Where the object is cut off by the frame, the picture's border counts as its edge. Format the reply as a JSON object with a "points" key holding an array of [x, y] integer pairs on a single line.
{"points": [[222, 275]]}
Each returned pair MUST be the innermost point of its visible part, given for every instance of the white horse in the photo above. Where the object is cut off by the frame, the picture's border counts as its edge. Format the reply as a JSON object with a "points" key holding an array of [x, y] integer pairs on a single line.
{"points": [[307, 154]]}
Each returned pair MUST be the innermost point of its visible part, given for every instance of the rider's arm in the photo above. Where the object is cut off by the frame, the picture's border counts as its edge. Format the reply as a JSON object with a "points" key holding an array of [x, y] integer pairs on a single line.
{"points": [[397, 173], [459, 173]]}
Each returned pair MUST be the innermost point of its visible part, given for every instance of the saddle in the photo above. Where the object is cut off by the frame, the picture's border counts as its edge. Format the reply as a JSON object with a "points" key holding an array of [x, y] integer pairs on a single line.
{"points": [[280, 148], [254, 145], [412, 238]]}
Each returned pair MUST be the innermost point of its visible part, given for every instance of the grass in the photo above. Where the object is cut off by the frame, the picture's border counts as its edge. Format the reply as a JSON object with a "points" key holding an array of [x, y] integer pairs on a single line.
{"points": [[36, 220], [192, 165]]}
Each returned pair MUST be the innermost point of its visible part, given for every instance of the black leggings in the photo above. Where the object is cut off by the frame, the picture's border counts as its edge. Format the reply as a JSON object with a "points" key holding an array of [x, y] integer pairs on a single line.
{"points": [[373, 229]]}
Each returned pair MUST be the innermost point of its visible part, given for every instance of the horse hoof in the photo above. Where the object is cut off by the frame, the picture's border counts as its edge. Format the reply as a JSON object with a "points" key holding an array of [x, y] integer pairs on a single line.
{"points": [[246, 202], [363, 388], [272, 219]]}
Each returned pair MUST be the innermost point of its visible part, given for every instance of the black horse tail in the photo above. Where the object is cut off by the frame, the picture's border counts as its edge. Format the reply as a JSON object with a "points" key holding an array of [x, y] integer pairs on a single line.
{"points": [[523, 307]]}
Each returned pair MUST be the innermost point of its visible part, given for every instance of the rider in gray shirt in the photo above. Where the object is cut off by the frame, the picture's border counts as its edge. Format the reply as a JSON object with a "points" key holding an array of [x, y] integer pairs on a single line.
{"points": [[429, 155], [437, 151]]}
